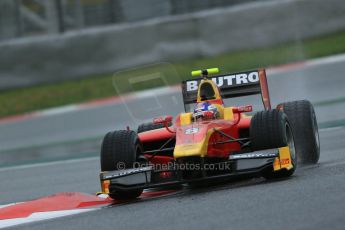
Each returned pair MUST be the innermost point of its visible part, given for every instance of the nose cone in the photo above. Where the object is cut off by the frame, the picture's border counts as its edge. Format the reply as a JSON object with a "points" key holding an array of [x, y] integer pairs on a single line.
{"points": [[192, 140]]}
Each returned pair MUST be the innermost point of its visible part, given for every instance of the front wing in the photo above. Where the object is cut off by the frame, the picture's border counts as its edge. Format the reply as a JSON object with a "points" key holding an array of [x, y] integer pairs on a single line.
{"points": [[252, 163]]}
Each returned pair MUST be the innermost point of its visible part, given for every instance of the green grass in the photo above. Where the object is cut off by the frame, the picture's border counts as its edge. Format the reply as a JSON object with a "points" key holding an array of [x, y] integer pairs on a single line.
{"points": [[46, 96]]}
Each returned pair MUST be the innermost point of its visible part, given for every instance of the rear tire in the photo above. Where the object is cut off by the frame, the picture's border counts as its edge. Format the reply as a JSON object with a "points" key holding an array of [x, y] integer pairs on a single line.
{"points": [[120, 147], [271, 129], [303, 121], [150, 126]]}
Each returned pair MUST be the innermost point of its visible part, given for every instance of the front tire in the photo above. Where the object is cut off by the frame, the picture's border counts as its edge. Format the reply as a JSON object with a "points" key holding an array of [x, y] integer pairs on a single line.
{"points": [[120, 148], [271, 129], [268, 130], [283, 173]]}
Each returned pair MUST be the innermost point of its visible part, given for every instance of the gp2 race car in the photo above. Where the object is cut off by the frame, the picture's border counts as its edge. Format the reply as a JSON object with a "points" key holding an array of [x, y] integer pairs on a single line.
{"points": [[196, 152]]}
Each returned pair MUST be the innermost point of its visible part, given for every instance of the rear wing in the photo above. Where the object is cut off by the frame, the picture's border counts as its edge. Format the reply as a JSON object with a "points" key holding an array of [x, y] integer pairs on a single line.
{"points": [[232, 85]]}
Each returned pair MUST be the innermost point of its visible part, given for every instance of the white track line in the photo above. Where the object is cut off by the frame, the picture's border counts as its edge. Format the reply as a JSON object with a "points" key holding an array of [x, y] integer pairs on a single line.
{"points": [[332, 129], [35, 165], [326, 60], [7, 205], [58, 110], [305, 64]]}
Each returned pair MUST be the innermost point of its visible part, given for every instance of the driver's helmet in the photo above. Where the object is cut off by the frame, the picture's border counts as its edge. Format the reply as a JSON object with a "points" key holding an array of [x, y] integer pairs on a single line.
{"points": [[205, 111]]}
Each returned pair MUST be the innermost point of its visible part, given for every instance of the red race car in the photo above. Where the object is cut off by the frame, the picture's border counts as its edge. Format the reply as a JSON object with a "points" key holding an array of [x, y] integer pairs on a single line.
{"points": [[212, 142]]}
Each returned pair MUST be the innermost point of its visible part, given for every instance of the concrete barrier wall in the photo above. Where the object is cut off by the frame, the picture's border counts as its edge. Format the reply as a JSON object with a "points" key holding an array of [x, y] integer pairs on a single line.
{"points": [[87, 52]]}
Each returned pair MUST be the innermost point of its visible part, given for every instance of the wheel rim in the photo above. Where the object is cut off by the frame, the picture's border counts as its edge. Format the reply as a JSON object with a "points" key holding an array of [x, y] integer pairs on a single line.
{"points": [[291, 144]]}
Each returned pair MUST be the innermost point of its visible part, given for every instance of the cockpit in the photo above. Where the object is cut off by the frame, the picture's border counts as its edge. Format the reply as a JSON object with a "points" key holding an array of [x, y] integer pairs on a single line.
{"points": [[207, 92]]}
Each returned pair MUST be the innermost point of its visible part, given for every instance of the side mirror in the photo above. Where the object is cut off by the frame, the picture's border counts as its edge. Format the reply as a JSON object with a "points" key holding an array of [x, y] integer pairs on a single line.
{"points": [[243, 109], [165, 120]]}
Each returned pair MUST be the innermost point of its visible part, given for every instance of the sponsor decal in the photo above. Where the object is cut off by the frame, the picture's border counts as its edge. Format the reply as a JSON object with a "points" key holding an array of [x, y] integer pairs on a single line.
{"points": [[191, 131], [285, 161], [252, 155], [229, 80], [125, 172]]}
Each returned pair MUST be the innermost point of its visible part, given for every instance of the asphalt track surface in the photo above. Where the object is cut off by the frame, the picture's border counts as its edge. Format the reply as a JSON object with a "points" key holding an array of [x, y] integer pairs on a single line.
{"points": [[312, 199]]}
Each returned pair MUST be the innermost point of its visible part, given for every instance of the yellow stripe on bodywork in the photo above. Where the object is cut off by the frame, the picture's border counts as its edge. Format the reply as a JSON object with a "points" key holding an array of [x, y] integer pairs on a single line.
{"points": [[228, 113], [284, 159], [185, 118]]}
